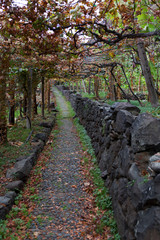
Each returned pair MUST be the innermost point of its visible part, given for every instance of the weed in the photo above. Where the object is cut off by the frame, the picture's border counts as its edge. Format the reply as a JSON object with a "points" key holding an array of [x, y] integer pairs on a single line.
{"points": [[86, 160], [24, 209], [156, 112], [39, 219], [18, 222], [131, 183], [15, 210], [35, 197], [37, 170], [32, 189], [18, 198], [50, 218], [146, 178], [3, 229], [28, 223]]}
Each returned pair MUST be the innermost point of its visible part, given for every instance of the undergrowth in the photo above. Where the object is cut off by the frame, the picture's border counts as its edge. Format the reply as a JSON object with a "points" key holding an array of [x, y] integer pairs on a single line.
{"points": [[19, 220], [17, 144]]}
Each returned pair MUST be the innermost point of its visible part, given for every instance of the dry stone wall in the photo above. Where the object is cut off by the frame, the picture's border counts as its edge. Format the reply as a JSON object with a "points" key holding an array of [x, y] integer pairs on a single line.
{"points": [[127, 145], [20, 172]]}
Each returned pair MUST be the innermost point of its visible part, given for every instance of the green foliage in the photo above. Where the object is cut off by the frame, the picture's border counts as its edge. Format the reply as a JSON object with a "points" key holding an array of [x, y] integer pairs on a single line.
{"points": [[39, 219], [35, 197], [156, 112], [154, 68], [146, 20], [3, 229]]}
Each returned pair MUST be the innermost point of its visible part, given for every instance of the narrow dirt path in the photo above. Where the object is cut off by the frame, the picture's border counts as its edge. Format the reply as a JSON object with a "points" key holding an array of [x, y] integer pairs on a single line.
{"points": [[63, 203]]}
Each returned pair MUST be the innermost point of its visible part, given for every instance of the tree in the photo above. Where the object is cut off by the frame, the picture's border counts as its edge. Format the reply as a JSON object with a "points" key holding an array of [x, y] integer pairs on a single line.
{"points": [[117, 23], [56, 37], [147, 74], [4, 68]]}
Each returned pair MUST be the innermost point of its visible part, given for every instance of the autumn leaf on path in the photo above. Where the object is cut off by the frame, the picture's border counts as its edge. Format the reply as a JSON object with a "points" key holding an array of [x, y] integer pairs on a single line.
{"points": [[36, 234], [86, 184]]}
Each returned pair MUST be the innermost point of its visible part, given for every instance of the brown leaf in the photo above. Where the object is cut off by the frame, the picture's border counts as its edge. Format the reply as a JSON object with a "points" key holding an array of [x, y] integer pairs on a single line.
{"points": [[36, 234], [86, 184], [89, 236]]}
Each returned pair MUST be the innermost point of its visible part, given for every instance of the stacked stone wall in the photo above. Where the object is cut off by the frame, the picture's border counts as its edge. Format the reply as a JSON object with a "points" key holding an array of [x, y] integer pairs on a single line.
{"points": [[126, 144], [20, 172]]}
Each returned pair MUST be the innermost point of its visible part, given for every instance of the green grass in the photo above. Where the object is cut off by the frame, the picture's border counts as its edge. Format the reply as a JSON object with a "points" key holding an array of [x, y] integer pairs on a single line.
{"points": [[18, 132], [70, 113], [102, 95], [103, 199], [145, 108], [9, 153], [16, 145], [90, 96]]}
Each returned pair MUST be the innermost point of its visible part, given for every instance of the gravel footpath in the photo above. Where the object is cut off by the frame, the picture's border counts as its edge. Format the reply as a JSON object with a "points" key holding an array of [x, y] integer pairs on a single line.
{"points": [[62, 208]]}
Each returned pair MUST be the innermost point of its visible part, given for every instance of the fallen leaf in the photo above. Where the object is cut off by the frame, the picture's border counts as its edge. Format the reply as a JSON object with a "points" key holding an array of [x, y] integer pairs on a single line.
{"points": [[89, 236], [86, 184], [36, 234]]}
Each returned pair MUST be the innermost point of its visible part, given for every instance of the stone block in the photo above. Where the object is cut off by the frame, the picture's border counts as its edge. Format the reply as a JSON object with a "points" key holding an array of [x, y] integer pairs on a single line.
{"points": [[21, 170], [148, 222], [116, 107], [144, 134], [124, 120], [15, 185], [40, 136]]}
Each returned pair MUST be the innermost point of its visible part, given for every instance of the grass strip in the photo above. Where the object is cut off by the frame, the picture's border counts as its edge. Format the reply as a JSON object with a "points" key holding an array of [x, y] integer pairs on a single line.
{"points": [[101, 193]]}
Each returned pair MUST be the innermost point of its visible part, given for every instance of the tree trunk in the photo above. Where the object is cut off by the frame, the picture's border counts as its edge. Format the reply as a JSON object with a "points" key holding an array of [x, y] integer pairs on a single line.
{"points": [[84, 87], [12, 102], [96, 87], [3, 120], [25, 103], [112, 92], [131, 79], [157, 78], [147, 74], [77, 88], [106, 86], [29, 98], [49, 95], [42, 89], [34, 102], [4, 64], [123, 92], [11, 114], [139, 83], [89, 86], [117, 90]]}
